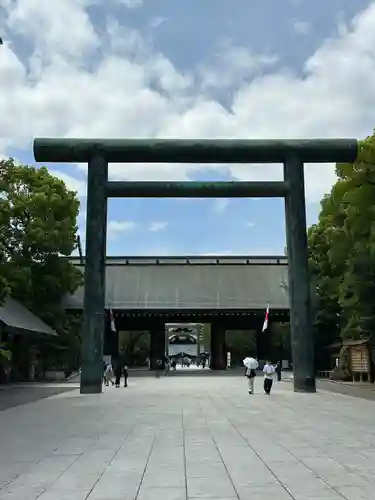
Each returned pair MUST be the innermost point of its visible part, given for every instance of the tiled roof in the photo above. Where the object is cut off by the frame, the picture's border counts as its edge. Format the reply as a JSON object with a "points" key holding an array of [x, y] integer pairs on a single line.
{"points": [[15, 315], [203, 286]]}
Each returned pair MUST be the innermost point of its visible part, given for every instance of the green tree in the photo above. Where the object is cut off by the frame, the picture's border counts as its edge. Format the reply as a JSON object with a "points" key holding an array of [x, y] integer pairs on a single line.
{"points": [[358, 208], [280, 341], [342, 250], [327, 279], [134, 347], [38, 220], [241, 343], [4, 286]]}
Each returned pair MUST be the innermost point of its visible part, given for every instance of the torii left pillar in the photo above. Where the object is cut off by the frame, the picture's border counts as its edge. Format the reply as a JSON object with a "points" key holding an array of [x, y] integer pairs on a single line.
{"points": [[94, 298]]}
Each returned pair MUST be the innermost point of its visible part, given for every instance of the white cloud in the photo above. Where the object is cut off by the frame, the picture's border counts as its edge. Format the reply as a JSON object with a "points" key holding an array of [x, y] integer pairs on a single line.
{"points": [[131, 4], [63, 90], [233, 65], [157, 226], [220, 205], [302, 27], [54, 28], [117, 227], [158, 21], [249, 224]]}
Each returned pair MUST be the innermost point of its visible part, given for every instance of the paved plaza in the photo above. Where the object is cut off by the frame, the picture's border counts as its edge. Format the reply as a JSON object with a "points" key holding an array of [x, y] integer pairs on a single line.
{"points": [[179, 438]]}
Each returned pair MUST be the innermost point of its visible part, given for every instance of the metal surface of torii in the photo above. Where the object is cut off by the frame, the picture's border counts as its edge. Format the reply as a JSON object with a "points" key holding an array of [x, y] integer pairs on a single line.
{"points": [[291, 153]]}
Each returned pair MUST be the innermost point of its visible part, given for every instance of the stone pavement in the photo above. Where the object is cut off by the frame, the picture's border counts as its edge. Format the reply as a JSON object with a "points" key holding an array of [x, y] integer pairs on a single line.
{"points": [[189, 438]]}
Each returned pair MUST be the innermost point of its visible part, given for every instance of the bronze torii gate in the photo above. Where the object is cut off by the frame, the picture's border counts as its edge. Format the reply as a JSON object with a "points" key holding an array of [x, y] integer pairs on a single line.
{"points": [[291, 153]]}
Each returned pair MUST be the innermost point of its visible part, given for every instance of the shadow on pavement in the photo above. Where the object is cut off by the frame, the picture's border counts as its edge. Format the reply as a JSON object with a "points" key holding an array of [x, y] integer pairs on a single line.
{"points": [[14, 395], [355, 390]]}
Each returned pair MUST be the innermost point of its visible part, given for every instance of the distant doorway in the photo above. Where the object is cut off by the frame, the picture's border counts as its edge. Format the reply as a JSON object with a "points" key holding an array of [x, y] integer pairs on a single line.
{"points": [[187, 345]]}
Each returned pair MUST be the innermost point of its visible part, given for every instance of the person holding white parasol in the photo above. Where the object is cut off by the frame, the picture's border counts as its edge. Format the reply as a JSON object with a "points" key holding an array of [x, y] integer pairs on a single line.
{"points": [[251, 364]]}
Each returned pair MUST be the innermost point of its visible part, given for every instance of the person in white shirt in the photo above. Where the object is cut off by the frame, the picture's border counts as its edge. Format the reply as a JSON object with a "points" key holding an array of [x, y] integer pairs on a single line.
{"points": [[269, 371], [108, 375]]}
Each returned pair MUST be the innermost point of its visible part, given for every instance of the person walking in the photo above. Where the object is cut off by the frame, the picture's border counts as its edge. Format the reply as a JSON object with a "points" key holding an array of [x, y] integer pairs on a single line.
{"points": [[108, 376], [251, 365], [118, 370], [167, 365], [126, 375], [269, 371], [278, 370], [250, 374], [159, 368]]}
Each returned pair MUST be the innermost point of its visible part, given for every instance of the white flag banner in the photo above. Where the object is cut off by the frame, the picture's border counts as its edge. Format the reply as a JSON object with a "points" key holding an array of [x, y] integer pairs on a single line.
{"points": [[265, 323], [113, 324]]}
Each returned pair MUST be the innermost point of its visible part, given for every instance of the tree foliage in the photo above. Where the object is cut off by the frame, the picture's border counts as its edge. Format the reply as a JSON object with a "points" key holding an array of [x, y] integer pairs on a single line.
{"points": [[4, 286], [38, 228], [342, 250], [134, 347], [241, 343]]}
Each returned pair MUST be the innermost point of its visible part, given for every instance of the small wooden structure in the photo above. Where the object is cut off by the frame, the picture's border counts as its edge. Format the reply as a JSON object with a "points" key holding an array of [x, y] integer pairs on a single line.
{"points": [[24, 334], [357, 355], [359, 359]]}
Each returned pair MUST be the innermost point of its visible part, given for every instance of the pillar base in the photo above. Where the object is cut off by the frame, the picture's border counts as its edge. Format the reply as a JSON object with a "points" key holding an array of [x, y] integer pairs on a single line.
{"points": [[306, 385], [218, 368], [91, 389]]}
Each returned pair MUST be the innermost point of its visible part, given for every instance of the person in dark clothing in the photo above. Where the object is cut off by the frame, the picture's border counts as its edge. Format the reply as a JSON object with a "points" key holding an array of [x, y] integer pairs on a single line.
{"points": [[278, 371], [104, 370], [159, 368], [126, 375], [118, 371]]}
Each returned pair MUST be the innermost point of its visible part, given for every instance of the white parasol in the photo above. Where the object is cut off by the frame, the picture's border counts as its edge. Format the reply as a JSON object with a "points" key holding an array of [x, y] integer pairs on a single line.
{"points": [[251, 363]]}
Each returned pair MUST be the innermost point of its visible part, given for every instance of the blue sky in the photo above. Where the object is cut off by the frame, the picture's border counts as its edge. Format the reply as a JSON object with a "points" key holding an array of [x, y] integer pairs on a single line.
{"points": [[162, 68]]}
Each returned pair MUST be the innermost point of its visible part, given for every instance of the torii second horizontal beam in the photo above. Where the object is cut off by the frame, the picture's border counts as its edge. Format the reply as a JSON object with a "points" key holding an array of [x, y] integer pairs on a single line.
{"points": [[195, 189]]}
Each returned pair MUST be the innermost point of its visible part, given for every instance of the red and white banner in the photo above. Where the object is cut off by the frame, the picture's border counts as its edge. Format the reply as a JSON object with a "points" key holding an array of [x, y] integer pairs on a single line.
{"points": [[265, 323], [113, 324]]}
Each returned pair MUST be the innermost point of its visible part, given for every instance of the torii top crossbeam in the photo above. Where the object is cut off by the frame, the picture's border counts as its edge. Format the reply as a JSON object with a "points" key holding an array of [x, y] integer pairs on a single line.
{"points": [[195, 150]]}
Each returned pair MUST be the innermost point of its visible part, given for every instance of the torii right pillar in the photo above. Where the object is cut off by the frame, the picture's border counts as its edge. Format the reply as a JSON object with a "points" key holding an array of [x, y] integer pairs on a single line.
{"points": [[302, 337]]}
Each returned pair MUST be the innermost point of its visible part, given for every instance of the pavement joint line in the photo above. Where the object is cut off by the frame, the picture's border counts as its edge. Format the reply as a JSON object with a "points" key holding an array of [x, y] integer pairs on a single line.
{"points": [[147, 461], [351, 471], [259, 456], [341, 417], [317, 475], [34, 465], [114, 456], [301, 462], [184, 449], [77, 458], [218, 450]]}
